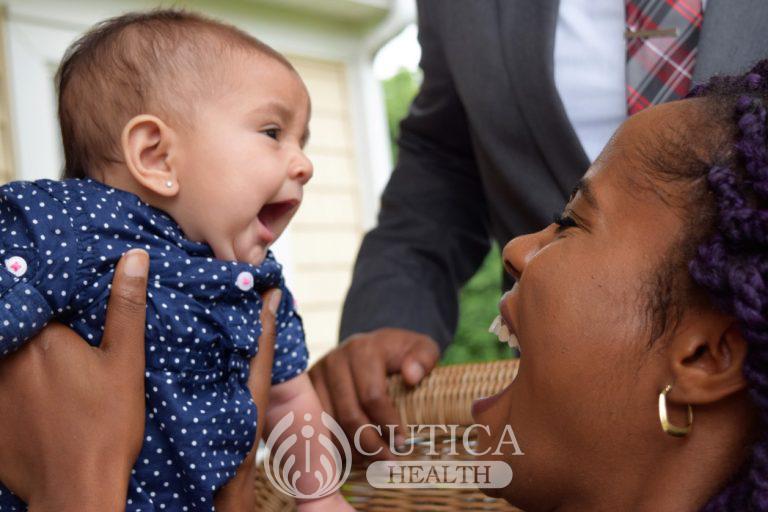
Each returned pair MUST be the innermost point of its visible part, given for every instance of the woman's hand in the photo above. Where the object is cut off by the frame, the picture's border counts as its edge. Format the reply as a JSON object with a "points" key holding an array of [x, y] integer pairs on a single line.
{"points": [[239, 494], [73, 415]]}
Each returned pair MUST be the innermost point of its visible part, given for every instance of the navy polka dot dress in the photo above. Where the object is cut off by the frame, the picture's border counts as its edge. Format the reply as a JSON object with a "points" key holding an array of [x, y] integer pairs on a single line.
{"points": [[59, 244]]}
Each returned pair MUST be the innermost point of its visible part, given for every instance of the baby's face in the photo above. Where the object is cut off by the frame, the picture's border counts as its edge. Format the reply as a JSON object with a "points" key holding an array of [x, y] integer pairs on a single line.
{"points": [[241, 165]]}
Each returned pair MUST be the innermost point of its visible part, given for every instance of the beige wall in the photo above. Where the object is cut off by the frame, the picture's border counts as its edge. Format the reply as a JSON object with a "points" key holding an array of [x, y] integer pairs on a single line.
{"points": [[326, 232], [6, 145]]}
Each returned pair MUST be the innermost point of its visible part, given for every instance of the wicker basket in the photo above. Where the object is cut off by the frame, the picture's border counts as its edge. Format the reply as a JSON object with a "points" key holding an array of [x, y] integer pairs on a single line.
{"points": [[445, 397]]}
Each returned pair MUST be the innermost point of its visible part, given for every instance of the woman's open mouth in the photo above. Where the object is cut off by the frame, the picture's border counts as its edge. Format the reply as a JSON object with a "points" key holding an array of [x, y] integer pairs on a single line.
{"points": [[274, 217], [502, 330]]}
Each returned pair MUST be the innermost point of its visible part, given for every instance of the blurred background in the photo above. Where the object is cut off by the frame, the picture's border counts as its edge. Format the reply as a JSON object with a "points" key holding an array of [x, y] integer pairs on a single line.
{"points": [[359, 59]]}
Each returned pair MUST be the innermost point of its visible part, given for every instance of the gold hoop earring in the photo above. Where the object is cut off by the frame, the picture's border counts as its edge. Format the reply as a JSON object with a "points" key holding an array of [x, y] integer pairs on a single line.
{"points": [[668, 427]]}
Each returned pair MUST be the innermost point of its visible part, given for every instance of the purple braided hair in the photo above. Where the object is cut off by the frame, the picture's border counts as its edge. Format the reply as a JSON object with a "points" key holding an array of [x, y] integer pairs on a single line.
{"points": [[731, 265]]}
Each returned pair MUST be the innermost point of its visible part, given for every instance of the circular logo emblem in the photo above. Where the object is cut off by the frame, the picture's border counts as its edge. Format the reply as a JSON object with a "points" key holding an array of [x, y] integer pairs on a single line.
{"points": [[335, 466]]}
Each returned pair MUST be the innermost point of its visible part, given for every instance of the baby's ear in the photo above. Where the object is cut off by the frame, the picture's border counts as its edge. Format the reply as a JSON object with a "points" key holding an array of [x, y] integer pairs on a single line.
{"points": [[707, 354], [146, 140]]}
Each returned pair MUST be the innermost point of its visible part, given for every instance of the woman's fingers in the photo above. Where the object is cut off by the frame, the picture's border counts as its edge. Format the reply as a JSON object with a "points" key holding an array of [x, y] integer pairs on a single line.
{"points": [[260, 375], [123, 340]]}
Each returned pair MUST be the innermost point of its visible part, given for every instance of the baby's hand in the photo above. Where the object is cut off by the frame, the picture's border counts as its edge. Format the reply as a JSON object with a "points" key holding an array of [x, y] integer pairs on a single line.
{"points": [[335, 502]]}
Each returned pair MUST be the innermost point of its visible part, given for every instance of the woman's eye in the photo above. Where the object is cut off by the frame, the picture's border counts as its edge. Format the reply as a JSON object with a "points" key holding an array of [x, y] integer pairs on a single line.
{"points": [[272, 133], [563, 222]]}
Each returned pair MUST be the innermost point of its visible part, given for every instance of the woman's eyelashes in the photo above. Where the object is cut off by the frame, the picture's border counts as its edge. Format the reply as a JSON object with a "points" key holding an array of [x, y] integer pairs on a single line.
{"points": [[563, 221]]}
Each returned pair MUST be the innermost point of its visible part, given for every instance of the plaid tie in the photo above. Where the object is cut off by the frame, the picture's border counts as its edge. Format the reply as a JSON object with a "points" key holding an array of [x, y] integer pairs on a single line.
{"points": [[661, 50]]}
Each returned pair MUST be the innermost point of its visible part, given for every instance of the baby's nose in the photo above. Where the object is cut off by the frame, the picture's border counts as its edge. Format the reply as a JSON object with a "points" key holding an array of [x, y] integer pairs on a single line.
{"points": [[302, 169]]}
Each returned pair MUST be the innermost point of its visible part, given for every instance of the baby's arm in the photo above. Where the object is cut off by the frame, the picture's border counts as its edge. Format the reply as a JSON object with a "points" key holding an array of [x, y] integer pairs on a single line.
{"points": [[298, 396], [38, 261]]}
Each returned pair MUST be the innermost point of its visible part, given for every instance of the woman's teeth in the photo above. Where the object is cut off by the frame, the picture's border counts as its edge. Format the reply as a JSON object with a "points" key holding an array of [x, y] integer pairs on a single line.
{"points": [[500, 329]]}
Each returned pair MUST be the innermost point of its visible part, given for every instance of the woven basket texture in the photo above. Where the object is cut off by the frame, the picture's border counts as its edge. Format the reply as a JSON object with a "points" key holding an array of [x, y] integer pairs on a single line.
{"points": [[443, 398]]}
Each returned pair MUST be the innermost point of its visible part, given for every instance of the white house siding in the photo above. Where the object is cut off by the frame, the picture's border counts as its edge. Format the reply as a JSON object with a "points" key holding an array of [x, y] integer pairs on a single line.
{"points": [[346, 146], [6, 145], [326, 232]]}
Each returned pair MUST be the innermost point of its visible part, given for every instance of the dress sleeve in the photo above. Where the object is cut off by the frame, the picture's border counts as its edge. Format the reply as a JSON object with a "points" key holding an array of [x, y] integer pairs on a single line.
{"points": [[38, 260], [291, 355]]}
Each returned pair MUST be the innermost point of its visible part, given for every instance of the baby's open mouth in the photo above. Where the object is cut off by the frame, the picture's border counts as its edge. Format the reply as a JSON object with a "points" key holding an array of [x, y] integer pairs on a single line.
{"points": [[275, 216]]}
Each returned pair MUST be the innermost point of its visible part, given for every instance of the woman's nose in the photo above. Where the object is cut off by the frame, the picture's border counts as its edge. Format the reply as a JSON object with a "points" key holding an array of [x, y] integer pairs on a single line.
{"points": [[520, 250], [302, 168]]}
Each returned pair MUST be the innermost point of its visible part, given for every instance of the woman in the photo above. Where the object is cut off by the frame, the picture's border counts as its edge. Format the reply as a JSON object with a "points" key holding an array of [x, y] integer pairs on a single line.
{"points": [[642, 319]]}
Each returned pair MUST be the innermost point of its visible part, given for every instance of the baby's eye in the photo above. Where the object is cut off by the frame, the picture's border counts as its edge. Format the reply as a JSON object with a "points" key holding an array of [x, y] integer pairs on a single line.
{"points": [[563, 221], [272, 133]]}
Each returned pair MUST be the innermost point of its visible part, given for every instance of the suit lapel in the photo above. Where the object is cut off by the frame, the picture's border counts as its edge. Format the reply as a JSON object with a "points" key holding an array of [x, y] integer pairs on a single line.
{"points": [[528, 40]]}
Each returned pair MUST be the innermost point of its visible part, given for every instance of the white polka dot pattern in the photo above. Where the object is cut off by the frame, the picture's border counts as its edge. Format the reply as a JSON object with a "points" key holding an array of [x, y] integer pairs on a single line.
{"points": [[202, 326]]}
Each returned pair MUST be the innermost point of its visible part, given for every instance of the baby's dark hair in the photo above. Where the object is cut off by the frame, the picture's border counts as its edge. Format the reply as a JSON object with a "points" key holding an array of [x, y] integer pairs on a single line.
{"points": [[159, 62], [725, 247]]}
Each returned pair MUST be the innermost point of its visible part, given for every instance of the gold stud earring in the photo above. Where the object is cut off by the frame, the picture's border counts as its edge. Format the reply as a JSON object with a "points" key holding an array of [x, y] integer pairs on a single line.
{"points": [[668, 427]]}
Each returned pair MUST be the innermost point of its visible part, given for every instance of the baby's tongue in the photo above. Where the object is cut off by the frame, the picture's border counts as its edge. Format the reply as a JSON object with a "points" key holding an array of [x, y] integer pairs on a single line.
{"points": [[271, 214]]}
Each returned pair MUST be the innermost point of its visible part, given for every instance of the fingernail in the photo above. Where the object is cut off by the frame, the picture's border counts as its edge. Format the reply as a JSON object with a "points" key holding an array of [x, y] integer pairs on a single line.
{"points": [[399, 440], [274, 301], [136, 263], [417, 372]]}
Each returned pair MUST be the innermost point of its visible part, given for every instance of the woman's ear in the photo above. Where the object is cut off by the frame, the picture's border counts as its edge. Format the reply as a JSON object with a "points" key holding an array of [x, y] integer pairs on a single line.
{"points": [[707, 357], [146, 141]]}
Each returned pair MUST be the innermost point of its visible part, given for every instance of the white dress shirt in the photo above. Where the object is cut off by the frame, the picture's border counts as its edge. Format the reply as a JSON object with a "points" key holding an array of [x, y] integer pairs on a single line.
{"points": [[589, 61]]}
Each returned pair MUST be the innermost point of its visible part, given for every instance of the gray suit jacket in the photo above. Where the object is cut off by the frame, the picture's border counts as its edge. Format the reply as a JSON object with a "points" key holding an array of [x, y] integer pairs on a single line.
{"points": [[488, 152]]}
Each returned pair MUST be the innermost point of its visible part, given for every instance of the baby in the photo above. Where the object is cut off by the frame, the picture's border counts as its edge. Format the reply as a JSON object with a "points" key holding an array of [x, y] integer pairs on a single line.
{"points": [[183, 137]]}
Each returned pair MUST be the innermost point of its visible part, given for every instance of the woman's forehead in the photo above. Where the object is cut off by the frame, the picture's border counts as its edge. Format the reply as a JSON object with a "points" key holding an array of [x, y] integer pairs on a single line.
{"points": [[652, 150]]}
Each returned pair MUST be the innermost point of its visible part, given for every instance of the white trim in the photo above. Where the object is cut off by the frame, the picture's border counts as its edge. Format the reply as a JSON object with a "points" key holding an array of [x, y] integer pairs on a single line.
{"points": [[369, 119], [369, 115], [401, 14]]}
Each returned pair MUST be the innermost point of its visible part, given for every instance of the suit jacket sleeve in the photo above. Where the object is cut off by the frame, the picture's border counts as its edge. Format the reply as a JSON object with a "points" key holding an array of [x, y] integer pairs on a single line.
{"points": [[432, 231]]}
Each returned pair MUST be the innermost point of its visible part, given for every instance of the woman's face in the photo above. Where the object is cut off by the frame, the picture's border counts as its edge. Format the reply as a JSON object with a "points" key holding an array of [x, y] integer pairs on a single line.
{"points": [[587, 388]]}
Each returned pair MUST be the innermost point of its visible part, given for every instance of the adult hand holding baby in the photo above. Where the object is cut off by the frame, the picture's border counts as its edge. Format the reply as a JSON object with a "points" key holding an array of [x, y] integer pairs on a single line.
{"points": [[73, 414], [238, 494], [68, 444]]}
